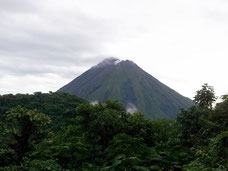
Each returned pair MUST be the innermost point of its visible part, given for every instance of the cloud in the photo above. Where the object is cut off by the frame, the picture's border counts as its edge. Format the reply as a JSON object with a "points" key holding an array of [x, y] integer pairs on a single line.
{"points": [[131, 108], [37, 40], [65, 38], [22, 6], [94, 102], [29, 83], [41, 37]]}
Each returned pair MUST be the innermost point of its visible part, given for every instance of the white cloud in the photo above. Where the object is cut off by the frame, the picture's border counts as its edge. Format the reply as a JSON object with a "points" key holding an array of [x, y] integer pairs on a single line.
{"points": [[94, 102], [131, 108], [182, 43]]}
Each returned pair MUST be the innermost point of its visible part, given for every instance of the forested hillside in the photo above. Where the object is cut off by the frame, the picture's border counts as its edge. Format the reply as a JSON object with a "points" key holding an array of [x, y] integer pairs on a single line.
{"points": [[58, 106], [105, 137]]}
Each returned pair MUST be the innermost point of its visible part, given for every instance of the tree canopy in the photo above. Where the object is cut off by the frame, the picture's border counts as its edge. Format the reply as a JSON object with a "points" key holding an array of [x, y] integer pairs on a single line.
{"points": [[104, 137], [205, 96]]}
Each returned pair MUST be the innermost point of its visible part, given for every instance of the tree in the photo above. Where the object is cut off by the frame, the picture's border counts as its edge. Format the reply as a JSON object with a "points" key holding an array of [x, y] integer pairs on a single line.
{"points": [[195, 125], [205, 97], [22, 129], [139, 126], [221, 114], [225, 97], [68, 147], [102, 121]]}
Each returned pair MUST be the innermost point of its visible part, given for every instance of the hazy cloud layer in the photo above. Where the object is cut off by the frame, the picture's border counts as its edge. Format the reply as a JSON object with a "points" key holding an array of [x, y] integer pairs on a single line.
{"points": [[46, 43], [131, 108], [41, 38]]}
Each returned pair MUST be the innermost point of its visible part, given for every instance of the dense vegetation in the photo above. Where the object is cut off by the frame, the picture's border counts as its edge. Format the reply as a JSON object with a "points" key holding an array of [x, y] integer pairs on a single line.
{"points": [[106, 137], [60, 107]]}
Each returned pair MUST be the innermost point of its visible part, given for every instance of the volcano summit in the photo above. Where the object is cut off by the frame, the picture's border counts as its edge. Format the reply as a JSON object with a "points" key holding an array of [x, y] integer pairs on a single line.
{"points": [[125, 81]]}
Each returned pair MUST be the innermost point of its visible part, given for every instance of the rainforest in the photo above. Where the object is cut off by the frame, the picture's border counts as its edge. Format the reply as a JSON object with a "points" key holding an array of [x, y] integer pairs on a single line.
{"points": [[59, 131]]}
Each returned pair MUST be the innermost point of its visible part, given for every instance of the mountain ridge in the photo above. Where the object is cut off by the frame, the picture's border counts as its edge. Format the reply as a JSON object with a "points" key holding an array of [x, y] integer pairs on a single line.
{"points": [[125, 81]]}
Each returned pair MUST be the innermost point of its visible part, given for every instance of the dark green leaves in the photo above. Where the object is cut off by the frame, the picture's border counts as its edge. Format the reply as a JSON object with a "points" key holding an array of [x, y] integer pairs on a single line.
{"points": [[106, 137], [205, 97]]}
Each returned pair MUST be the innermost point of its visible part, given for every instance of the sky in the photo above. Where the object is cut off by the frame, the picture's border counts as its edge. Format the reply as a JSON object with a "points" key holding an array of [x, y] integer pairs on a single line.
{"points": [[45, 44]]}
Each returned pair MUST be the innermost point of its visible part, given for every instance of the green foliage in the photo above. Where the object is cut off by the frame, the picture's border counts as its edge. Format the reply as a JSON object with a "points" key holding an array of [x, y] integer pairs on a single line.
{"points": [[67, 147], [21, 130], [214, 156], [128, 153], [195, 125], [165, 133], [60, 107], [122, 162], [125, 144], [34, 165], [101, 122], [205, 97], [106, 137], [139, 126], [221, 116], [225, 97], [205, 132]]}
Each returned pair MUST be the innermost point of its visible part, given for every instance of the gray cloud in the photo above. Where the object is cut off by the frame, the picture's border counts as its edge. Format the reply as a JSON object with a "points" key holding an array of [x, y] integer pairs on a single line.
{"points": [[39, 43], [22, 6], [55, 40], [131, 108], [49, 42], [36, 41]]}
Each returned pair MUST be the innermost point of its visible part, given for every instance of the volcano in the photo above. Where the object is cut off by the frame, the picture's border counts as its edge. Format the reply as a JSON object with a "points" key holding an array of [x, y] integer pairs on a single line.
{"points": [[125, 81]]}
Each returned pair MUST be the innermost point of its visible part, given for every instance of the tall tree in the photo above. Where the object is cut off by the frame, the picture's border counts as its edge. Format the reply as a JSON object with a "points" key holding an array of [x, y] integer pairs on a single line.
{"points": [[21, 129], [205, 96]]}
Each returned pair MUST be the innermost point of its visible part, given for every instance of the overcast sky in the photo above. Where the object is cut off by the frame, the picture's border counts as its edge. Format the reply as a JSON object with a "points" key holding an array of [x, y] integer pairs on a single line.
{"points": [[44, 44]]}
